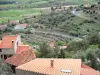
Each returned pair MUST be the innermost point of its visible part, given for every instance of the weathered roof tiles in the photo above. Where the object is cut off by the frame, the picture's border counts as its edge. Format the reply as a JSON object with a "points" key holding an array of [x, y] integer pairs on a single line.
{"points": [[43, 66], [21, 58]]}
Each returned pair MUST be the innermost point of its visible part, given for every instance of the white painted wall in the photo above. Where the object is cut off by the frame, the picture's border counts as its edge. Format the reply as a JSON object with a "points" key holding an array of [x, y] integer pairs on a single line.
{"points": [[19, 42]]}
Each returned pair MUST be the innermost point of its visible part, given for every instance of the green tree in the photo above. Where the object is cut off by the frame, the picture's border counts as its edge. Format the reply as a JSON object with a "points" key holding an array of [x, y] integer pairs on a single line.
{"points": [[56, 51], [92, 56], [80, 55], [93, 38], [60, 43], [44, 50], [4, 68], [61, 54]]}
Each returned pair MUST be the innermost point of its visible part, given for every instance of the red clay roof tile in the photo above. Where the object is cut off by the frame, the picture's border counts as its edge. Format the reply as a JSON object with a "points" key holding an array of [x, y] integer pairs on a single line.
{"points": [[52, 44], [43, 66], [85, 66], [89, 72], [0, 41], [21, 58], [24, 25], [86, 70], [7, 41], [22, 48]]}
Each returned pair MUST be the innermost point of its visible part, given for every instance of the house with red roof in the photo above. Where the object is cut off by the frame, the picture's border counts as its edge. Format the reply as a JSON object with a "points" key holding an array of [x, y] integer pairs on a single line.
{"points": [[11, 45], [52, 66], [2, 27], [52, 44], [86, 70], [22, 48], [14, 22], [21, 58], [8, 45], [20, 26]]}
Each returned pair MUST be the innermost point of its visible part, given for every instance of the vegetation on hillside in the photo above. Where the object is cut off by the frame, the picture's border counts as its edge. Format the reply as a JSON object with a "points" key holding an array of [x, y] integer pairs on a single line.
{"points": [[5, 69], [20, 4], [86, 49], [63, 20], [78, 27]]}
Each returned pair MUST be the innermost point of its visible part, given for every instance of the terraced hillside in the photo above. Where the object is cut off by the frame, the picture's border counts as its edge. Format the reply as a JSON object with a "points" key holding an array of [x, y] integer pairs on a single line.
{"points": [[66, 22]]}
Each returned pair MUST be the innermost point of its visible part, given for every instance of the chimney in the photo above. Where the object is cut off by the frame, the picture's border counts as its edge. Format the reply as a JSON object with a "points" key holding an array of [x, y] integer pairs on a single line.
{"points": [[13, 43], [16, 34], [52, 63]]}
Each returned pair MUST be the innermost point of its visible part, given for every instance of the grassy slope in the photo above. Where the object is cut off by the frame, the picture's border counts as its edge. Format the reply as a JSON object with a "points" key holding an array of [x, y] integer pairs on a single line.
{"points": [[37, 2], [17, 14]]}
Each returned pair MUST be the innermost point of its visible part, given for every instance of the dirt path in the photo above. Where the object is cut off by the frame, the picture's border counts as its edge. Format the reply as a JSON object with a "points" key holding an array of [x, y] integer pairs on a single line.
{"points": [[77, 14]]}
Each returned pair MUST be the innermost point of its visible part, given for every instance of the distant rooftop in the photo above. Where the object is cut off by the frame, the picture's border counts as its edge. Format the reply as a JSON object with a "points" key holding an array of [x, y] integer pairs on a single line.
{"points": [[21, 26]]}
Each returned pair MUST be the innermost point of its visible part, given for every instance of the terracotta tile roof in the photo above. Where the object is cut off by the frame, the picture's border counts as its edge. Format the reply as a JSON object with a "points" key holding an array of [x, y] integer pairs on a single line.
{"points": [[89, 72], [14, 22], [2, 26], [24, 25], [52, 44], [0, 41], [22, 48], [43, 66], [21, 26], [85, 66], [21, 58], [7, 41], [86, 70]]}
